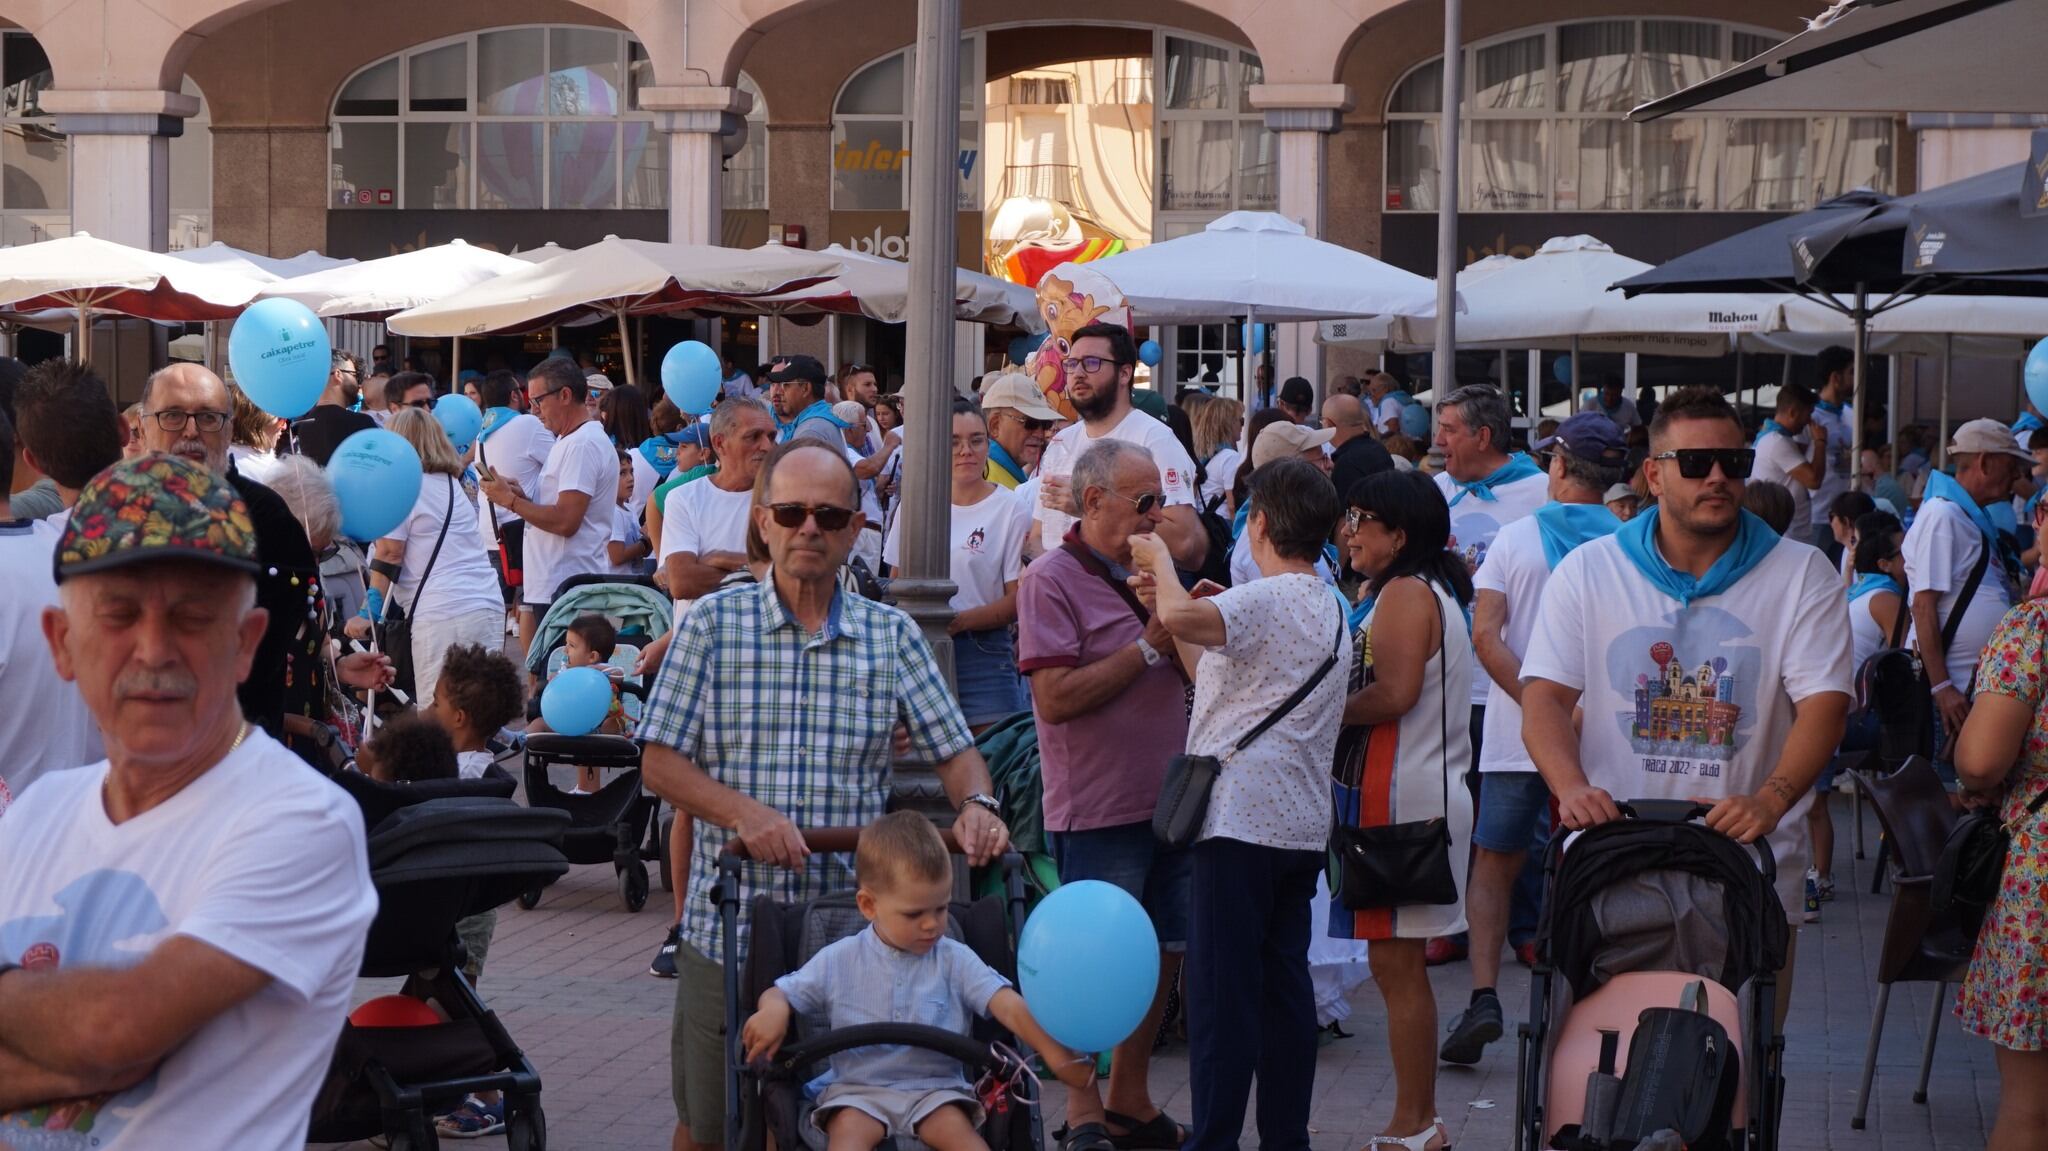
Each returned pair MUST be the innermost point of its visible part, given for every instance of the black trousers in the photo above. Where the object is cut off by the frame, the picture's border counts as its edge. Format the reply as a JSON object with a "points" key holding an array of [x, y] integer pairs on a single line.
{"points": [[1251, 1007]]}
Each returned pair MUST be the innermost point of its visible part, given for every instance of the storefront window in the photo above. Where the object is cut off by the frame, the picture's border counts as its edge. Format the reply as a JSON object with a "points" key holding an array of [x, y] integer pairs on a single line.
{"points": [[1215, 153], [746, 171], [871, 134], [512, 118], [1546, 129]]}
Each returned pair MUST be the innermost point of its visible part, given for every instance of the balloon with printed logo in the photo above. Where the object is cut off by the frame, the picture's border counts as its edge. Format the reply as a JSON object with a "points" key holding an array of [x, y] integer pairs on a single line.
{"points": [[461, 419], [1088, 964], [2036, 373], [280, 357], [576, 701], [691, 377], [1148, 353], [376, 479]]}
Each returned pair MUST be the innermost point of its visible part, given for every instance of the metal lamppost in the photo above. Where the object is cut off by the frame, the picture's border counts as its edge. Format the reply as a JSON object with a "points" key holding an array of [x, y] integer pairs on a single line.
{"points": [[1443, 368]]}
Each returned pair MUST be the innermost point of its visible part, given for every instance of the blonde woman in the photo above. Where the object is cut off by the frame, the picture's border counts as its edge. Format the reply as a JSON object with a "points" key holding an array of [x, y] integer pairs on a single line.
{"points": [[1217, 424], [460, 602]]}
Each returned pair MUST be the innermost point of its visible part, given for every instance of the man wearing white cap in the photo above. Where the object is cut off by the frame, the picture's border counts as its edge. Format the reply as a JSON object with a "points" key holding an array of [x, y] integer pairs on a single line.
{"points": [[1019, 424], [1277, 442], [1961, 576]]}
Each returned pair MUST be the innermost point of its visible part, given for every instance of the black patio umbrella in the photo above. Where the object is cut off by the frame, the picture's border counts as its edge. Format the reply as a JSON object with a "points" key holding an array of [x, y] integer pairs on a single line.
{"points": [[1970, 237]]}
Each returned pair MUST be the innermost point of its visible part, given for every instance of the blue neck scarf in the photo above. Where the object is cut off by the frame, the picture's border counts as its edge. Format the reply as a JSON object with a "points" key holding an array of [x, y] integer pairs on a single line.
{"points": [[1868, 582], [1237, 521], [1354, 618], [1829, 406], [495, 418], [1753, 541], [1002, 459], [1564, 527], [660, 452], [1942, 486], [1770, 427], [2027, 422], [1400, 397], [1518, 467], [819, 410]]}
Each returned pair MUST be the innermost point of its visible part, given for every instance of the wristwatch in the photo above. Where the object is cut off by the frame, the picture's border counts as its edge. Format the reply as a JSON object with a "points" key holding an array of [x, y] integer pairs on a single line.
{"points": [[983, 800], [1151, 654]]}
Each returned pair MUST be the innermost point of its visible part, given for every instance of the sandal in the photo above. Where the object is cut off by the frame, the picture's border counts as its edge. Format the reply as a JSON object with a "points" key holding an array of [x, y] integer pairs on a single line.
{"points": [[472, 1120], [1420, 1141], [1085, 1137], [1159, 1133]]}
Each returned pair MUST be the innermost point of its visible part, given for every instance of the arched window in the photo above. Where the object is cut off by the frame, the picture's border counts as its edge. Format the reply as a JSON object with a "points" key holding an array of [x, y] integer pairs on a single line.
{"points": [[871, 132], [746, 171], [1545, 128], [191, 168], [35, 160], [514, 118]]}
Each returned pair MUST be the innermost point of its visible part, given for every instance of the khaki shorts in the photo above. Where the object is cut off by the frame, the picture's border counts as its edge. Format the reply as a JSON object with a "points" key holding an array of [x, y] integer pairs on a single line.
{"points": [[696, 1046], [899, 1111]]}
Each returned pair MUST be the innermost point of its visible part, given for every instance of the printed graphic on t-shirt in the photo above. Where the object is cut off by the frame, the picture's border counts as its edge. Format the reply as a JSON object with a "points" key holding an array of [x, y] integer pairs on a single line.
{"points": [[1471, 535], [975, 539], [1686, 686]]}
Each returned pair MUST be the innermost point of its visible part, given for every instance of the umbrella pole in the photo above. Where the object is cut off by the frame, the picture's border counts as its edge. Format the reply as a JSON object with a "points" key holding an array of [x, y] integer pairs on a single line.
{"points": [[84, 351], [1948, 355], [1891, 407], [625, 352], [1535, 389], [1738, 375], [832, 343], [1574, 406], [1862, 318], [454, 361]]}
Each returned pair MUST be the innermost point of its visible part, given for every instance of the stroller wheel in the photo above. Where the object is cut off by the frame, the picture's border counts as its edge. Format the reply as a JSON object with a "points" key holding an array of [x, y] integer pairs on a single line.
{"points": [[526, 1129], [417, 1136], [530, 898], [633, 886]]}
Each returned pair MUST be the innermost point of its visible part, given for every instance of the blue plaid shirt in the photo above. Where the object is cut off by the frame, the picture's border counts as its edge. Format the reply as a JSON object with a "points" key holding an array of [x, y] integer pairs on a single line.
{"points": [[800, 722]]}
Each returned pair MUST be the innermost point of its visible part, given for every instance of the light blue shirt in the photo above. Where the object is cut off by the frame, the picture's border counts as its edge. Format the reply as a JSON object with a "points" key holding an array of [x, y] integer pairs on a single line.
{"points": [[861, 979]]}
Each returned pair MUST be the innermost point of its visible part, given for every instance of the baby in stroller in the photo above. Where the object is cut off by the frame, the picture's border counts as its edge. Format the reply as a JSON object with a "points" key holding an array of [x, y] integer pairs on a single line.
{"points": [[902, 968]]}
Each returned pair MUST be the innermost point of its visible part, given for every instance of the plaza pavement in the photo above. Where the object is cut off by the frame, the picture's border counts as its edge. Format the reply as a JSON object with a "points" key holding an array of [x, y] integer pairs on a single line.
{"points": [[570, 981]]}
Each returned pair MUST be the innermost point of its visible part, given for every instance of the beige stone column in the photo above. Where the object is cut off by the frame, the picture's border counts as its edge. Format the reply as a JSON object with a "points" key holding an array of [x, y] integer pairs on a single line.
{"points": [[1302, 116], [120, 160], [697, 120]]}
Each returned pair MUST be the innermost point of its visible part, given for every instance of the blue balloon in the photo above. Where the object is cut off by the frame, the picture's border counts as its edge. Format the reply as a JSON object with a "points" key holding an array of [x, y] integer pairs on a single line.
{"points": [[376, 478], [460, 418], [1561, 370], [1255, 338], [1088, 964], [1019, 350], [1148, 353], [691, 377], [576, 700], [2036, 374], [279, 353]]}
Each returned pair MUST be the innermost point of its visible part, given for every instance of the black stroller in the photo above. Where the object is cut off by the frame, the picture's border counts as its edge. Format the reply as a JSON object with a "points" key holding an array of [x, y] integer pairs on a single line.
{"points": [[767, 1100], [439, 852], [1650, 912], [615, 823]]}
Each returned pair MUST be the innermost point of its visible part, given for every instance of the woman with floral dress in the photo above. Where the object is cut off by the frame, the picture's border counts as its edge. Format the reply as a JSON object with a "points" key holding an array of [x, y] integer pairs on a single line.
{"points": [[2002, 758]]}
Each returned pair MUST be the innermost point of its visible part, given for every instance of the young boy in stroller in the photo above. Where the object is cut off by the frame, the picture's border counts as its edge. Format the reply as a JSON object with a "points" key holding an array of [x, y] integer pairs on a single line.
{"points": [[902, 958]]}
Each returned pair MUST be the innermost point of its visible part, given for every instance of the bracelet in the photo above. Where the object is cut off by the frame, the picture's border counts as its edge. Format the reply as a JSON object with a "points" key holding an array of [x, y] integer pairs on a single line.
{"points": [[1936, 689]]}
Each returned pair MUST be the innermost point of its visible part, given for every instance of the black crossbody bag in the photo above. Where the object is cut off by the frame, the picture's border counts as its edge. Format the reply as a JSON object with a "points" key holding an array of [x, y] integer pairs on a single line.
{"points": [[397, 623], [1401, 864], [1184, 800]]}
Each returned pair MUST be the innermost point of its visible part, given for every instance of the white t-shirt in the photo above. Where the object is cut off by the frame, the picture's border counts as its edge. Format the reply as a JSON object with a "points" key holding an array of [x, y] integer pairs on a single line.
{"points": [[988, 547], [1867, 636], [463, 579], [700, 517], [1940, 549], [1516, 568], [1776, 456], [1386, 414], [1835, 480], [1474, 523], [517, 451], [1689, 702], [1220, 473], [46, 726], [582, 461], [1276, 792], [259, 858], [473, 764], [1244, 569], [625, 530], [1176, 470]]}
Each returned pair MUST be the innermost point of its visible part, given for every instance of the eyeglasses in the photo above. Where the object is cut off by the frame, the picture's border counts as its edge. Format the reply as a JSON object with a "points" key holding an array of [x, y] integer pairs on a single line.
{"points": [[536, 397], [830, 518], [1698, 463], [1090, 364], [1144, 503], [175, 419], [1357, 517], [974, 443], [426, 403]]}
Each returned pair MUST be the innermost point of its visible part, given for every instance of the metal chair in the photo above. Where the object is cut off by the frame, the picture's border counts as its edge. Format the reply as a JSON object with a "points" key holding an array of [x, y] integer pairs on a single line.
{"points": [[1920, 945]]}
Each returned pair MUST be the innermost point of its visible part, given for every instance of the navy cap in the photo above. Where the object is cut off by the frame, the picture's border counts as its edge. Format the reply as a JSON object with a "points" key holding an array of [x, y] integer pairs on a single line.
{"points": [[1591, 437], [696, 435]]}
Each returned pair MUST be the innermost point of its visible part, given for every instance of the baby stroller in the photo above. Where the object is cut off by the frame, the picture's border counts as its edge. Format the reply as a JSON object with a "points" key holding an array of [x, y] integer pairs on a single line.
{"points": [[615, 823], [770, 1099], [440, 852], [1647, 914]]}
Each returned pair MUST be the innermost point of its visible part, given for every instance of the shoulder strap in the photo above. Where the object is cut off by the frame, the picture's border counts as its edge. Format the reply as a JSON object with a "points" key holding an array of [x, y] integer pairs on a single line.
{"points": [[1300, 693], [1443, 702], [1962, 604], [436, 553], [1900, 619]]}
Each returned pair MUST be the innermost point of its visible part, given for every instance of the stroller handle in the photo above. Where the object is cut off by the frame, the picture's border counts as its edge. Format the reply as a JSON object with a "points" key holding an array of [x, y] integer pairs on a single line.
{"points": [[975, 1055], [825, 839], [1685, 811]]}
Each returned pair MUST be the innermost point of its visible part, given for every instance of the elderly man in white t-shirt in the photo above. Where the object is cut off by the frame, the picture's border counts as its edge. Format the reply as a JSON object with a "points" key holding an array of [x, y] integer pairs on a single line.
{"points": [[1950, 537], [1100, 361], [181, 923], [1709, 656]]}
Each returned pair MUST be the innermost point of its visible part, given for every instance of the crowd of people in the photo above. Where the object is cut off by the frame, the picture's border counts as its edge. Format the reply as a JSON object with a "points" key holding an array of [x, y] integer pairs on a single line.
{"points": [[1359, 636]]}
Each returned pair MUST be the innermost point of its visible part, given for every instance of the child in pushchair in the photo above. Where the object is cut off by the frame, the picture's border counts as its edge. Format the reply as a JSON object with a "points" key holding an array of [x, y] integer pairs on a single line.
{"points": [[888, 1007]]}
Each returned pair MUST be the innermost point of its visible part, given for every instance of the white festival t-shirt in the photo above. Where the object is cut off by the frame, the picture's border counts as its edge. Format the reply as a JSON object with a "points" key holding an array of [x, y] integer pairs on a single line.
{"points": [[516, 451], [259, 858], [1474, 523], [700, 517], [47, 726], [1684, 702], [1176, 470], [1940, 549], [463, 579], [1776, 456], [1516, 569], [988, 547], [582, 461]]}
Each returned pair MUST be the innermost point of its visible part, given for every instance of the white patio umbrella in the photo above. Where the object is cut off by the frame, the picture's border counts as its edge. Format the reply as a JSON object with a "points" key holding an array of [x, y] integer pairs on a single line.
{"points": [[267, 269], [614, 278], [879, 288], [374, 289], [99, 277], [1376, 333], [540, 255]]}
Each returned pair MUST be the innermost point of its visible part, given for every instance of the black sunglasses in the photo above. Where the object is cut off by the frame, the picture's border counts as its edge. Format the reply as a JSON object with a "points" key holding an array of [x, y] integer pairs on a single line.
{"points": [[830, 519], [1144, 503], [1698, 463]]}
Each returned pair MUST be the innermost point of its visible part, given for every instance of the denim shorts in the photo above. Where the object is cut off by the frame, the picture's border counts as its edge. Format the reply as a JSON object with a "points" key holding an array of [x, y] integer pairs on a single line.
{"points": [[985, 670], [1514, 807], [1127, 855]]}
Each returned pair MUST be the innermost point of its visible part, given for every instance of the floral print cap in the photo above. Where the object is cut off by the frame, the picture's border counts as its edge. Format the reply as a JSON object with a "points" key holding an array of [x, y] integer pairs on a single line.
{"points": [[152, 508]]}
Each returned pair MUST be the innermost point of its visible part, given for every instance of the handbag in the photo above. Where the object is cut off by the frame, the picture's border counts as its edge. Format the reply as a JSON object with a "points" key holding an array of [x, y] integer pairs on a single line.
{"points": [[1184, 800], [1972, 864], [396, 628], [1401, 864]]}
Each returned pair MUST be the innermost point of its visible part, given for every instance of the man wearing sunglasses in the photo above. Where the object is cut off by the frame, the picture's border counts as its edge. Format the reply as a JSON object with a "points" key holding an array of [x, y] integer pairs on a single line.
{"points": [[1100, 361], [410, 390], [774, 707], [321, 430], [1711, 658], [1019, 424]]}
